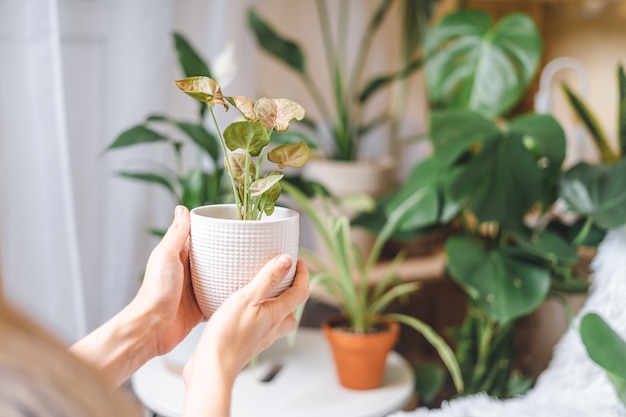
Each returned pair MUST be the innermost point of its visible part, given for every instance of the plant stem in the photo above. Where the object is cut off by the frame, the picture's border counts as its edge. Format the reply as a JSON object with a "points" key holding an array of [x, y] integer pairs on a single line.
{"points": [[233, 183], [483, 348], [583, 232]]}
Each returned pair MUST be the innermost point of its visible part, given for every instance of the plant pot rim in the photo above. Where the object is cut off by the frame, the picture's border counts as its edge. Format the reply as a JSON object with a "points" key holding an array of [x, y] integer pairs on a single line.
{"points": [[385, 162], [329, 322], [228, 213]]}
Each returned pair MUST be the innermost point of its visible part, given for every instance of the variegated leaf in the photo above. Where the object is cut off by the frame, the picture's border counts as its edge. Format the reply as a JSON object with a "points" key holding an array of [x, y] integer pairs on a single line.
{"points": [[245, 105], [202, 88], [287, 111], [264, 184], [290, 155], [238, 164], [266, 111]]}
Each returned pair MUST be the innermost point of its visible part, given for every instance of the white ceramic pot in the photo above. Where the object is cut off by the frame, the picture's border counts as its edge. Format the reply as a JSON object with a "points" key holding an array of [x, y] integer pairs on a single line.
{"points": [[342, 178], [226, 253]]}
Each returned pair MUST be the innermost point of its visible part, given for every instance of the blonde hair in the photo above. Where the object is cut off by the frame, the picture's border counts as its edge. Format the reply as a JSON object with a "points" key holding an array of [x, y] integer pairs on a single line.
{"points": [[39, 377]]}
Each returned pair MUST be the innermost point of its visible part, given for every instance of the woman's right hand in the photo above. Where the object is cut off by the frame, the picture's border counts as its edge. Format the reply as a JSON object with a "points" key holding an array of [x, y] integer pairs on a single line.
{"points": [[247, 323]]}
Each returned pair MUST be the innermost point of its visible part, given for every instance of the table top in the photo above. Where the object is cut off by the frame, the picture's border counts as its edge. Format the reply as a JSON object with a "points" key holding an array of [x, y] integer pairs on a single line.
{"points": [[305, 386]]}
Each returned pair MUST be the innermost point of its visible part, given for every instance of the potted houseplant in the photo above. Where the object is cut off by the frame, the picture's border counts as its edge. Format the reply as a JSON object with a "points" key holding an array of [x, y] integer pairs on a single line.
{"points": [[196, 183], [229, 243], [341, 107], [363, 334], [501, 181]]}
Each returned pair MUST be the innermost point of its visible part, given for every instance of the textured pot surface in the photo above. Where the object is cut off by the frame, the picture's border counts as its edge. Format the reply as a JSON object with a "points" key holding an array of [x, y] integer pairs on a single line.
{"points": [[226, 253], [360, 359]]}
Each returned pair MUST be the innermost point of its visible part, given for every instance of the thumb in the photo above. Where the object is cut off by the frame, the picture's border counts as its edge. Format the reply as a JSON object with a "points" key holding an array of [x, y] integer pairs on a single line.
{"points": [[269, 277], [178, 232]]}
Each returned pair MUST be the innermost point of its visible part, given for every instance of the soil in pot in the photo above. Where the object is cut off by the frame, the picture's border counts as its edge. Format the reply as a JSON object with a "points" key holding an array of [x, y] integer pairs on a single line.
{"points": [[360, 359]]}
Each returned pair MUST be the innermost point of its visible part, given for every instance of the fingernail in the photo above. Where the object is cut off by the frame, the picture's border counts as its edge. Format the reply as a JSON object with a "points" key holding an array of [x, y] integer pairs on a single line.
{"points": [[178, 211], [284, 261]]}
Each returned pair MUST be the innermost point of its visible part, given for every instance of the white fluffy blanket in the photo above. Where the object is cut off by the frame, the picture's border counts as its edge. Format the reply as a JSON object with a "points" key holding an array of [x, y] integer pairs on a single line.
{"points": [[573, 385]]}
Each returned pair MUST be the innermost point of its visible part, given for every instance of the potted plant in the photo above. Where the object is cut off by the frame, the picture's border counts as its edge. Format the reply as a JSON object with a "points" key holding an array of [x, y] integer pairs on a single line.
{"points": [[501, 182], [363, 334], [191, 184], [342, 106], [229, 243]]}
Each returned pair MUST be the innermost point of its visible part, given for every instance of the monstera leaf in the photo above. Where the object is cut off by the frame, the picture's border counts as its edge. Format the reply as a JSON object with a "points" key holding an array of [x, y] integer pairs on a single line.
{"points": [[501, 282], [472, 64], [501, 173], [598, 191]]}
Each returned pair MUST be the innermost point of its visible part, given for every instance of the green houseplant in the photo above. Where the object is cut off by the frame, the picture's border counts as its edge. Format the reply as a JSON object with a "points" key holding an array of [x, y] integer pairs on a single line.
{"points": [[351, 92], [498, 182], [342, 121], [344, 275]]}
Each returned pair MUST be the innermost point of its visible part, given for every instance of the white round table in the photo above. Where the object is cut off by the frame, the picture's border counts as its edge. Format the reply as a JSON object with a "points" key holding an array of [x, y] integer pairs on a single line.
{"points": [[305, 386]]}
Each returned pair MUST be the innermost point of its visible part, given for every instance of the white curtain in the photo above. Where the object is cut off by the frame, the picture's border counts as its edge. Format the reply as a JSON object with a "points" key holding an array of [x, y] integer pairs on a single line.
{"points": [[73, 75]]}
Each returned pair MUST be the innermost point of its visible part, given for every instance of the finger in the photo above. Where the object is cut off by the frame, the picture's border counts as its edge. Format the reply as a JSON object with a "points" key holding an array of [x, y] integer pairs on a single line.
{"points": [[269, 277], [298, 293], [178, 232]]}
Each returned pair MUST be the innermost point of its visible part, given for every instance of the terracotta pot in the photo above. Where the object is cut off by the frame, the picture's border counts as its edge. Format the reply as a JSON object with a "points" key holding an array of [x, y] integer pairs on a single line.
{"points": [[360, 359], [226, 253]]}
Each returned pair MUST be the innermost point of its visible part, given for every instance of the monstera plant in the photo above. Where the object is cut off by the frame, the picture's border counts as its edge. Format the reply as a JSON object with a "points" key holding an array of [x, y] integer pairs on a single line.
{"points": [[498, 180]]}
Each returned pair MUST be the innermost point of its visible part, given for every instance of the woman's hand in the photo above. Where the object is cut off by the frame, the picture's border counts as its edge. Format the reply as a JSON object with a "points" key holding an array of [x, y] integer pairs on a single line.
{"points": [[160, 316], [244, 325], [166, 297]]}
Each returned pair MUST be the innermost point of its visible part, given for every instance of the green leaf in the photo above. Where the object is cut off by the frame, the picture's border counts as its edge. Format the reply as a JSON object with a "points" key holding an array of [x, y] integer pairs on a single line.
{"points": [[621, 128], [151, 177], [136, 135], [190, 61], [423, 178], [501, 283], [473, 65], [382, 81], [606, 348], [444, 351], [501, 182], [252, 137], [544, 137], [201, 137], [280, 48], [587, 117], [453, 132], [429, 381], [598, 191], [192, 189], [547, 245]]}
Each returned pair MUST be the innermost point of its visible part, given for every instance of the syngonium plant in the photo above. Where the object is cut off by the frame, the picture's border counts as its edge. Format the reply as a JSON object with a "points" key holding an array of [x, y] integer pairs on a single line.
{"points": [[245, 143]]}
